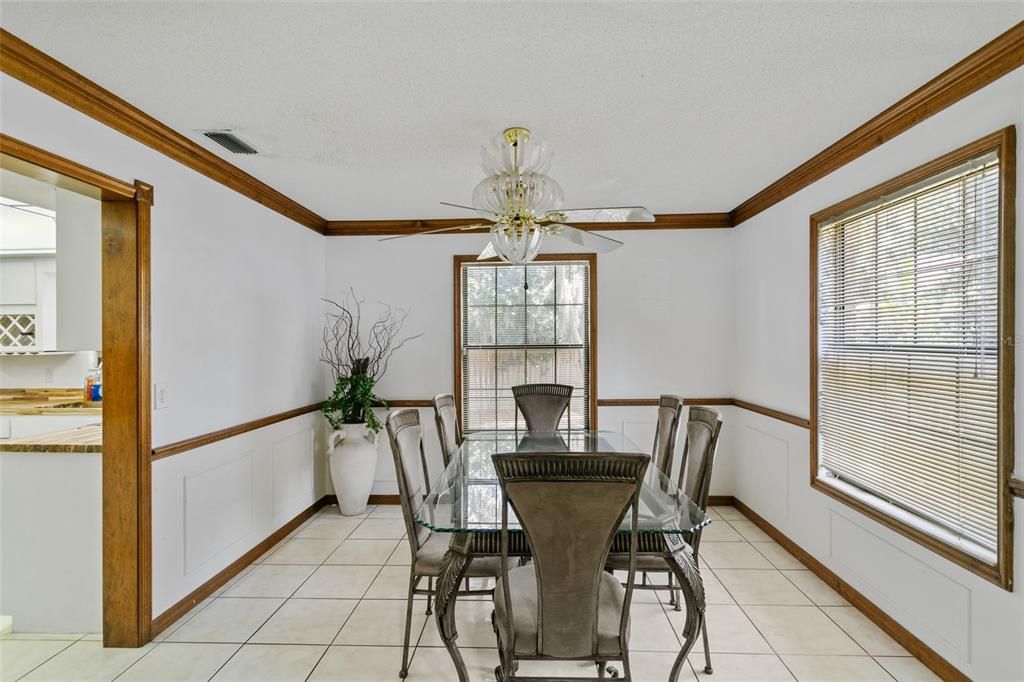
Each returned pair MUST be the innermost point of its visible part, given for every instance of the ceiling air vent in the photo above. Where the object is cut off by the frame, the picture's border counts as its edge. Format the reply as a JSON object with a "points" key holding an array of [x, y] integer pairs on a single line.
{"points": [[226, 139]]}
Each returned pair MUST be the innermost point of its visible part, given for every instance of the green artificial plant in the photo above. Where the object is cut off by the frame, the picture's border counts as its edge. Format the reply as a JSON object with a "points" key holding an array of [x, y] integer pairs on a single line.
{"points": [[355, 365]]}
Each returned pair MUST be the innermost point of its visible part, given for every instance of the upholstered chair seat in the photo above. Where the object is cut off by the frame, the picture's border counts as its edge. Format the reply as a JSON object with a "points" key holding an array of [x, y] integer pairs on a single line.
{"points": [[522, 583], [426, 548], [432, 551], [564, 606]]}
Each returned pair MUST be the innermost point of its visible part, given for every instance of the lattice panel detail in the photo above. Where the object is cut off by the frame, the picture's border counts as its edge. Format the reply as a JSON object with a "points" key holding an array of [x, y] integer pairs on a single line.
{"points": [[18, 331]]}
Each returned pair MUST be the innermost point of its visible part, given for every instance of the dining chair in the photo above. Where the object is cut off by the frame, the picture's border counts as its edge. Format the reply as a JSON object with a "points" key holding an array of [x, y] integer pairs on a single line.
{"points": [[428, 549], [670, 409], [542, 405], [448, 430], [564, 606], [703, 427]]}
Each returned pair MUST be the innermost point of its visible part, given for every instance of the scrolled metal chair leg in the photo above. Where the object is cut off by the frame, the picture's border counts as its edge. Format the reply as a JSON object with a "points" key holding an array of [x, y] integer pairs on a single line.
{"points": [[430, 594]]}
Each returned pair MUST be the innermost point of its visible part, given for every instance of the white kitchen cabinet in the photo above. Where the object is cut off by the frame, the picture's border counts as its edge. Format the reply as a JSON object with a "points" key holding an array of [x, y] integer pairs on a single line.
{"points": [[79, 260]]}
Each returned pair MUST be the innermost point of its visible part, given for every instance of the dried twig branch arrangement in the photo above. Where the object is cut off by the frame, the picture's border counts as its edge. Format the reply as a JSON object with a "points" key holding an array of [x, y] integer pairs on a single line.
{"points": [[358, 366], [344, 350]]}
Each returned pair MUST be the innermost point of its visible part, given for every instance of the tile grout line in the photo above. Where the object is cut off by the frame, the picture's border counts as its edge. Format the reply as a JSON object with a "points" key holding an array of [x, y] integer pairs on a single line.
{"points": [[50, 658], [813, 604], [287, 599]]}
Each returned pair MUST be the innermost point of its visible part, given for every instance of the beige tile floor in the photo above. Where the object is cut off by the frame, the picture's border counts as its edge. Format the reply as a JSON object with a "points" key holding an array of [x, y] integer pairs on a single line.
{"points": [[328, 604]]}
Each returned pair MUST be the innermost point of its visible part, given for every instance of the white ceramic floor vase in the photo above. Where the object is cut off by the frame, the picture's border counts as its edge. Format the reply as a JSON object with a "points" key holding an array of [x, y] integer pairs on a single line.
{"points": [[353, 465]]}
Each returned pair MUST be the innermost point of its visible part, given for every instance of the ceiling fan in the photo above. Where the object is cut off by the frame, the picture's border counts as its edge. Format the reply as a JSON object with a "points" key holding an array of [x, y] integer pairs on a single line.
{"points": [[520, 203]]}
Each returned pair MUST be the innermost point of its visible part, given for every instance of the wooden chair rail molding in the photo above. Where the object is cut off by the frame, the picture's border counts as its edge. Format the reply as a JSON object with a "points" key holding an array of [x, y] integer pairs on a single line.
{"points": [[1017, 486], [904, 637], [230, 432], [992, 61]]}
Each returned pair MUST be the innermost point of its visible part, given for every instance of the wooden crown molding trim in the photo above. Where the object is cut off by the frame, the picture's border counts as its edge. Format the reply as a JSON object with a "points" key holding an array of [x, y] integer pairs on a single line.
{"points": [[20, 60], [903, 636], [387, 228], [39, 164], [230, 432], [985, 65]]}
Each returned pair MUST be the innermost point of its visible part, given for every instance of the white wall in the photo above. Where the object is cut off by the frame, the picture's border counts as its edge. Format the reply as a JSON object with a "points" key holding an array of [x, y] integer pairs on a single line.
{"points": [[975, 625], [213, 504], [46, 371], [235, 336], [663, 321]]}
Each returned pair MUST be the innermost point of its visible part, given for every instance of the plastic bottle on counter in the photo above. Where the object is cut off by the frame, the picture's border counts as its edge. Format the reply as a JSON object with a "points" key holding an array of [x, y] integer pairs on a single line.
{"points": [[96, 389]]}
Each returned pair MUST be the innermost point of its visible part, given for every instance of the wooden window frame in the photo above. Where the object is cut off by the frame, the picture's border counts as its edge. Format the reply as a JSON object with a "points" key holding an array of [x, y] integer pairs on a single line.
{"points": [[1002, 142], [590, 259], [127, 438]]}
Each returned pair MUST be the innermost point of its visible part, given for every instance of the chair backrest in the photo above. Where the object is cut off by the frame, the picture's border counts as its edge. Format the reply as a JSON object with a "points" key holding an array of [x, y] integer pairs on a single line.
{"points": [[703, 427], [406, 436], [448, 431], [542, 405], [570, 507], [670, 408]]}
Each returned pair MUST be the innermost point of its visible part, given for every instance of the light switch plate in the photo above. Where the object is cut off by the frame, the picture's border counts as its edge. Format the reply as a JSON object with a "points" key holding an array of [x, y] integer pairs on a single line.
{"points": [[159, 396]]}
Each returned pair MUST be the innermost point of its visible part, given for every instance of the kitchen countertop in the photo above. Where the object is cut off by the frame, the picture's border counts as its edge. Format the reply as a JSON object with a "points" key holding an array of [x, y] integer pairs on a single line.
{"points": [[83, 439], [50, 401]]}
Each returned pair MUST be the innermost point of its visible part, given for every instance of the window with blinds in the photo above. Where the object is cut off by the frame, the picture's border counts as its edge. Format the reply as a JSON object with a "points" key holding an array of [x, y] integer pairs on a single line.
{"points": [[908, 293], [523, 324]]}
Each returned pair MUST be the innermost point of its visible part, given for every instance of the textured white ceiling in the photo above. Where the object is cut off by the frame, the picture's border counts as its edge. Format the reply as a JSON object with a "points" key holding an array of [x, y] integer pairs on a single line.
{"points": [[378, 109]]}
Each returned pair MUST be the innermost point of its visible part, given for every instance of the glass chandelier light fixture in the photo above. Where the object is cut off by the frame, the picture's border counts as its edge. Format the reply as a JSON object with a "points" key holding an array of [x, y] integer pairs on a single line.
{"points": [[521, 203], [518, 191]]}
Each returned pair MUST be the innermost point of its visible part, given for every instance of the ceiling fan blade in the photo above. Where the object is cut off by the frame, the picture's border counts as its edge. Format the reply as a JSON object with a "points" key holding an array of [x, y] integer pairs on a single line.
{"points": [[459, 228], [608, 214], [488, 252], [482, 211], [597, 242]]}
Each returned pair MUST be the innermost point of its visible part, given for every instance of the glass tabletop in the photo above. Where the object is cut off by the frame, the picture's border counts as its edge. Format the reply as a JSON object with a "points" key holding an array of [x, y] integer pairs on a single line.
{"points": [[467, 496]]}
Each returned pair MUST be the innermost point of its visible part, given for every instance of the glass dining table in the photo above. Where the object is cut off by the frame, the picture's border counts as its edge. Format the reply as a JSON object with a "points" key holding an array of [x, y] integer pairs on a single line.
{"points": [[466, 502]]}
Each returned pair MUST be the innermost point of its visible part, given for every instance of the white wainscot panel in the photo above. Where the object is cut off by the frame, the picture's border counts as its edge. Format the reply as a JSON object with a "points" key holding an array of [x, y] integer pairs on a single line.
{"points": [[908, 587], [292, 475], [762, 476], [218, 505]]}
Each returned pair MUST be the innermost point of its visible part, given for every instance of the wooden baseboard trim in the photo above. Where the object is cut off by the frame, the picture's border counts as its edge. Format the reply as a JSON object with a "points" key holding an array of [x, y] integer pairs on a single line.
{"points": [[924, 653], [373, 499], [721, 500], [230, 432], [171, 615]]}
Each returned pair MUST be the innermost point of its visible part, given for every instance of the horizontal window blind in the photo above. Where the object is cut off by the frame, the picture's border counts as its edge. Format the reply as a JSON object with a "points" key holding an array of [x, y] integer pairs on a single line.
{"points": [[908, 299], [523, 324]]}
